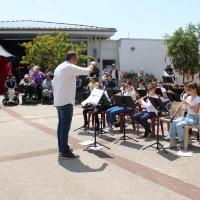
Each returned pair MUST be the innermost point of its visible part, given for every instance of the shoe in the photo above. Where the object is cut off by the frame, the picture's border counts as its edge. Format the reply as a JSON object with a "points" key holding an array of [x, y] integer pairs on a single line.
{"points": [[173, 143], [69, 156], [59, 153], [180, 145], [149, 135], [107, 129]]}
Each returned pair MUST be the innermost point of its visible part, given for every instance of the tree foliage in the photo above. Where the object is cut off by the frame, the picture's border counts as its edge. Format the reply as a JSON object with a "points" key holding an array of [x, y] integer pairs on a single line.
{"points": [[50, 50], [183, 48]]}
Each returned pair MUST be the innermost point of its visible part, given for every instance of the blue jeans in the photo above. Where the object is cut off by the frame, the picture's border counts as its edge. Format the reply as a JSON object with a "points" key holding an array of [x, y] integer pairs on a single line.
{"points": [[111, 112], [142, 118], [177, 126], [65, 114]]}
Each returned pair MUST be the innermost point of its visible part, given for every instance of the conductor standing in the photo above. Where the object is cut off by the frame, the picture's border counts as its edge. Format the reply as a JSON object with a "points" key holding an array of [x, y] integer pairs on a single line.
{"points": [[64, 87]]}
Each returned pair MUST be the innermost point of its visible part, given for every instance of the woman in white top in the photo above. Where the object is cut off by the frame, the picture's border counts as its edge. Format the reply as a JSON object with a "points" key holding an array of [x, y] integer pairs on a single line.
{"points": [[192, 104]]}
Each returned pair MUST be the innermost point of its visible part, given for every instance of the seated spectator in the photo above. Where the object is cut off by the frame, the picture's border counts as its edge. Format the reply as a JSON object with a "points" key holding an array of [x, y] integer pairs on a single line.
{"points": [[95, 72], [141, 75], [10, 84], [110, 113], [92, 84], [105, 77], [110, 83], [27, 85], [47, 86]]}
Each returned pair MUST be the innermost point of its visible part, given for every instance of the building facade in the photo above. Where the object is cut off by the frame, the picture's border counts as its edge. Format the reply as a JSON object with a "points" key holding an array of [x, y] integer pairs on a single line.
{"points": [[128, 54]]}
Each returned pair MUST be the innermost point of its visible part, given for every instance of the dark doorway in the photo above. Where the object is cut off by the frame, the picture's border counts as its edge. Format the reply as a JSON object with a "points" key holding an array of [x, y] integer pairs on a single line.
{"points": [[14, 47], [108, 62]]}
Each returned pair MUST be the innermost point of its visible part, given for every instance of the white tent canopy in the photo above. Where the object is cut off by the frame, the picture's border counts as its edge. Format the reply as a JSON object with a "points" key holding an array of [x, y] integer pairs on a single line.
{"points": [[5, 53]]}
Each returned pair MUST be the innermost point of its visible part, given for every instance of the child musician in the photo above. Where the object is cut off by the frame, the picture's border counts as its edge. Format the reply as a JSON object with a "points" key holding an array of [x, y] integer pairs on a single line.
{"points": [[149, 112], [192, 104], [111, 112]]}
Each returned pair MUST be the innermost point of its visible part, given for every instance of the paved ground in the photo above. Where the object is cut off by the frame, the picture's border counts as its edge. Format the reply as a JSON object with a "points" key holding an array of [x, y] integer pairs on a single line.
{"points": [[30, 169]]}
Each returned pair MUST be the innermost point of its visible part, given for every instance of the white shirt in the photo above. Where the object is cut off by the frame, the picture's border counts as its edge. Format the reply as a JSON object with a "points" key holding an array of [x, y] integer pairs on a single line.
{"points": [[193, 102], [64, 83], [131, 94], [113, 73], [148, 105]]}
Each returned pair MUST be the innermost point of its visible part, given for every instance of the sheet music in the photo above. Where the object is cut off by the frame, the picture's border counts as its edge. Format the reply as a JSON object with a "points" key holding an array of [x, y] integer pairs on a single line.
{"points": [[94, 97], [166, 74]]}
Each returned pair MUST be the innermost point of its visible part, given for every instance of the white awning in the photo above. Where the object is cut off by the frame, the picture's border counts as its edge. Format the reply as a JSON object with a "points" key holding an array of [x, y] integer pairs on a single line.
{"points": [[5, 53]]}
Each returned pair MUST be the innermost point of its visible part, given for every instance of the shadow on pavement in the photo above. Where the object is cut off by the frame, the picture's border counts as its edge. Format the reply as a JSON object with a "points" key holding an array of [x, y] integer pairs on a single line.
{"points": [[132, 145], [79, 167]]}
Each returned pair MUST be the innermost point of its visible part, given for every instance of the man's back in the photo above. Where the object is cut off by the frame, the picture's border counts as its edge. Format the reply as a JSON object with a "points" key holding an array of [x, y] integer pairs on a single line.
{"points": [[64, 83]]}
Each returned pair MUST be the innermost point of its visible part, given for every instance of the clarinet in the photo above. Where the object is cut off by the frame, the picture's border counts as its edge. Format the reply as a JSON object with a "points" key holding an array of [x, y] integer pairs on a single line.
{"points": [[178, 109]]}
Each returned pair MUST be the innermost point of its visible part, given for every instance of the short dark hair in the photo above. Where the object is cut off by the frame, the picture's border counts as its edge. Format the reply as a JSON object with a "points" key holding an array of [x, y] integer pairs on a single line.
{"points": [[70, 55], [142, 82]]}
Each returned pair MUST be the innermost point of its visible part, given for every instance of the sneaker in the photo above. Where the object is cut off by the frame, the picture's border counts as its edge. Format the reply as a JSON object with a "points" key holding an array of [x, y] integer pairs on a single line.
{"points": [[69, 156], [107, 129], [180, 145]]}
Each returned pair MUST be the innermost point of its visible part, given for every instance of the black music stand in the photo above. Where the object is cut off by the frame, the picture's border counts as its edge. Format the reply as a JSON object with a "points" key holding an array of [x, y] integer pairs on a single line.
{"points": [[158, 91], [125, 101], [167, 79], [173, 97], [95, 143], [141, 92], [104, 102], [158, 104]]}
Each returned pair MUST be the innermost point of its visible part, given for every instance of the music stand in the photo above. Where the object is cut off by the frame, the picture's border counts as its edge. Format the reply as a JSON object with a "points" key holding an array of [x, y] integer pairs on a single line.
{"points": [[125, 101], [141, 92], [158, 91], [158, 104], [167, 79], [173, 97], [95, 143]]}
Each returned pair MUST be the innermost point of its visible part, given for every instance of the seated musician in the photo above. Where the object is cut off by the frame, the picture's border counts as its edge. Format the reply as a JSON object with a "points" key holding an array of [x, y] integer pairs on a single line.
{"points": [[192, 104], [111, 112], [169, 72], [123, 86], [92, 84], [103, 106], [163, 91], [149, 112], [141, 90]]}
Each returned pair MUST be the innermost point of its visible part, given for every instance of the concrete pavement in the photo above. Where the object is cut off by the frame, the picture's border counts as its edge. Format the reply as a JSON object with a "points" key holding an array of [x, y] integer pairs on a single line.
{"points": [[30, 169]]}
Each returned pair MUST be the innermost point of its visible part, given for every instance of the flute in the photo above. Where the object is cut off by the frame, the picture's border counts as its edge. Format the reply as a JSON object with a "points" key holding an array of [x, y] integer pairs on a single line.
{"points": [[141, 99]]}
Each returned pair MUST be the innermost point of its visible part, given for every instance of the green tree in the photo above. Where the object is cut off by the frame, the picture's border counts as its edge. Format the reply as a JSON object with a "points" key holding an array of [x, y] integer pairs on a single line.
{"points": [[183, 49], [50, 50]]}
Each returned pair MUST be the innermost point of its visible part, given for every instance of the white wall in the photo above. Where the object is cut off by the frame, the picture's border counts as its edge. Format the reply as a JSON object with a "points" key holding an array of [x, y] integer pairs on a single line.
{"points": [[149, 54]]}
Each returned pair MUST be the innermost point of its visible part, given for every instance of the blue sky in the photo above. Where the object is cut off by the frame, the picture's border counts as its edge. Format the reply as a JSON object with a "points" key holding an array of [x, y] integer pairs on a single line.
{"points": [[139, 18]]}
